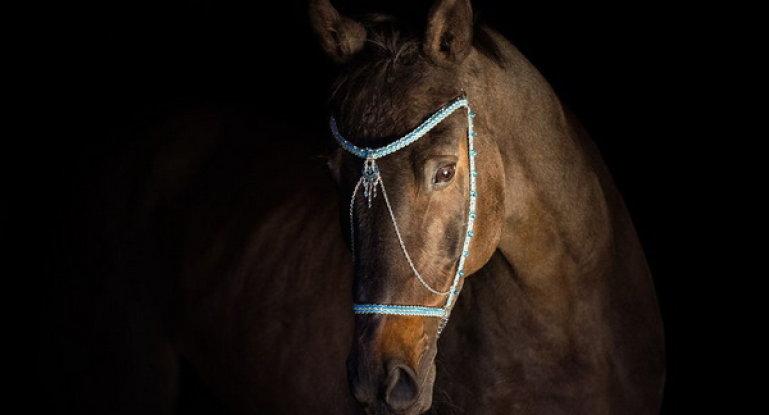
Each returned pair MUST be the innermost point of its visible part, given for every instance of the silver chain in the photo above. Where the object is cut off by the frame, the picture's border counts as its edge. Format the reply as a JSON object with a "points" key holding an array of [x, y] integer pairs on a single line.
{"points": [[352, 213], [379, 182]]}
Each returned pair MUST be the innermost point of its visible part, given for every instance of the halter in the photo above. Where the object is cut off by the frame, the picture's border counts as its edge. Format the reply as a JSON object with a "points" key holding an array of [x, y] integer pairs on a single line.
{"points": [[370, 179]]}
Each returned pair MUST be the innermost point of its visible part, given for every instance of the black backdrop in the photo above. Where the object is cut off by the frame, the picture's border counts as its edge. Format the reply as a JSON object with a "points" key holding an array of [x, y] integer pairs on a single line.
{"points": [[630, 73]]}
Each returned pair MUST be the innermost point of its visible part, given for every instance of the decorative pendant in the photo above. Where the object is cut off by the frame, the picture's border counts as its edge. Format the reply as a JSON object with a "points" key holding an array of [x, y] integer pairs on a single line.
{"points": [[370, 179]]}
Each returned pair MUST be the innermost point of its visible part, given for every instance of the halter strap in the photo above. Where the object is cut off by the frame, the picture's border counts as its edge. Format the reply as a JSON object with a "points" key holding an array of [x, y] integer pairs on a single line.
{"points": [[371, 179], [414, 135], [399, 310]]}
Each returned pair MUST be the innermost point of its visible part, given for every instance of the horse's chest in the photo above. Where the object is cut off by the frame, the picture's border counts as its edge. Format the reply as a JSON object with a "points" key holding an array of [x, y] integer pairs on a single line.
{"points": [[518, 377], [512, 364]]}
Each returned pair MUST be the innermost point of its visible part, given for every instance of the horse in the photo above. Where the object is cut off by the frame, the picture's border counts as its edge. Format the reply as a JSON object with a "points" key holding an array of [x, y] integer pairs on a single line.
{"points": [[559, 313], [252, 284]]}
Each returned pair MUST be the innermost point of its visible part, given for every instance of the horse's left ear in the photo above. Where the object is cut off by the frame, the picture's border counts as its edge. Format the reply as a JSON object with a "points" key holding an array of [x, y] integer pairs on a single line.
{"points": [[449, 35], [340, 36]]}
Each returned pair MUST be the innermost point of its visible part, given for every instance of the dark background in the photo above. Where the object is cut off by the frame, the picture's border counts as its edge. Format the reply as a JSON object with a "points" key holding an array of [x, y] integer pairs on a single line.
{"points": [[639, 77]]}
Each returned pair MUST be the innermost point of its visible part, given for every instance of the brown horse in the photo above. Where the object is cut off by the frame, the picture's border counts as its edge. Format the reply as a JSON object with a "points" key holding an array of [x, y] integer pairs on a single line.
{"points": [[557, 313], [560, 314]]}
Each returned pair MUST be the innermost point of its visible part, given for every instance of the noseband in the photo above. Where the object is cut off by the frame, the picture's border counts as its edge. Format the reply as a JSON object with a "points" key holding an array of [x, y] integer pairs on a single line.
{"points": [[371, 179]]}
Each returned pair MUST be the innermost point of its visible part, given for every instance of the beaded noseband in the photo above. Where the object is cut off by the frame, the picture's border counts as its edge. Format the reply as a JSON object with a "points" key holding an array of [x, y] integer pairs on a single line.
{"points": [[370, 179]]}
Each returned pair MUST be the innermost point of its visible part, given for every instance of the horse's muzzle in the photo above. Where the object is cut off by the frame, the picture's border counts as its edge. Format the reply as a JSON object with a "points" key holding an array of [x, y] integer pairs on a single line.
{"points": [[398, 391], [392, 374]]}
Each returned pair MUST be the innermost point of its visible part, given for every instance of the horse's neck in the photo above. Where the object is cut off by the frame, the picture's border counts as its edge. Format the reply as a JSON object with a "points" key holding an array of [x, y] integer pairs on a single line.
{"points": [[567, 299], [508, 352], [569, 286], [557, 233]]}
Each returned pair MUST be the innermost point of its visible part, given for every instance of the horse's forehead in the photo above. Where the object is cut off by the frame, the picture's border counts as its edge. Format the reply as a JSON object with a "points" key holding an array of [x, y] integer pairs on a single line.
{"points": [[387, 121], [380, 110]]}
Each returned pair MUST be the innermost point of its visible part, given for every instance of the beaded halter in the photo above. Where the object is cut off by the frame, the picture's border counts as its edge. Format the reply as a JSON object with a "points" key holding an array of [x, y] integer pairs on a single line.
{"points": [[370, 179]]}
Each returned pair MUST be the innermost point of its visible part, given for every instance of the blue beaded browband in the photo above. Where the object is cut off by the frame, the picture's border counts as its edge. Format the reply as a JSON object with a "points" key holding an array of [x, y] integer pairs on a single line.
{"points": [[371, 178]]}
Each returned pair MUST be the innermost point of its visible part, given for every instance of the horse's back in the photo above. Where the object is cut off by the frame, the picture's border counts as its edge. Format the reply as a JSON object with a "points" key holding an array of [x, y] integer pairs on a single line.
{"points": [[263, 291], [211, 272]]}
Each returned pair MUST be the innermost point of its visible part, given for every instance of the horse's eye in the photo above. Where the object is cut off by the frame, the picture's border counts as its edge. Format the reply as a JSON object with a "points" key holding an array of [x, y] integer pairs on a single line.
{"points": [[444, 174]]}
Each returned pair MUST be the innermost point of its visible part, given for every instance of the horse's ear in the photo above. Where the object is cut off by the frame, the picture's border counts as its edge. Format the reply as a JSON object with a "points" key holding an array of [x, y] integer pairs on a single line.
{"points": [[340, 36], [449, 35]]}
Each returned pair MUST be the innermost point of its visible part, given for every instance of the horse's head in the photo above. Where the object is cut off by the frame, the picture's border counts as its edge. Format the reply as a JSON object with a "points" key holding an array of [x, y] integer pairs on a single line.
{"points": [[393, 79]]}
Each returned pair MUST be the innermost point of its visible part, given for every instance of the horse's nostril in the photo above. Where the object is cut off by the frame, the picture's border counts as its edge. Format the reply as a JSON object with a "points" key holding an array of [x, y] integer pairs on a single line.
{"points": [[402, 388]]}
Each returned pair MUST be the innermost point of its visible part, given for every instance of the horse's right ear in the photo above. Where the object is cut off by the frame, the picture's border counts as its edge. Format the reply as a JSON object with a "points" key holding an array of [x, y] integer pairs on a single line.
{"points": [[340, 36], [449, 34]]}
